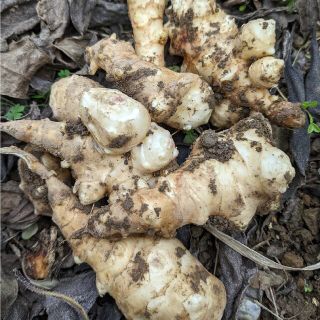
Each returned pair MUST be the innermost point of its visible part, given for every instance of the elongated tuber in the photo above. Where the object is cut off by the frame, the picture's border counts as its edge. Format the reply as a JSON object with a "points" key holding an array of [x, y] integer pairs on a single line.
{"points": [[180, 100], [149, 34], [149, 278], [232, 174], [213, 47], [96, 174]]}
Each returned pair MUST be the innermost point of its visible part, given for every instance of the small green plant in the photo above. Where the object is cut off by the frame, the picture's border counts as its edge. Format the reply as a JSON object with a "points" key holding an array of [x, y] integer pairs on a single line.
{"points": [[41, 95], [175, 68], [309, 104], [64, 73], [243, 7], [308, 288], [291, 4], [42, 98], [190, 137], [15, 112], [313, 127]]}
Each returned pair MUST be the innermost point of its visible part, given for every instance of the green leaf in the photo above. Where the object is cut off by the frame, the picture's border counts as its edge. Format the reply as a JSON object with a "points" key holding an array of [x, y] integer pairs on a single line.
{"points": [[175, 68], [313, 127], [308, 287], [41, 95], [291, 4], [309, 104], [64, 73], [243, 7], [30, 232], [15, 112], [190, 137]]}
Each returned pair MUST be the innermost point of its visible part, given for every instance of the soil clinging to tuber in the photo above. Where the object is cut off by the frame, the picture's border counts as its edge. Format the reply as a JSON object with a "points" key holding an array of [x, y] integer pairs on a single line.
{"points": [[237, 63], [180, 100], [233, 174], [150, 278]]}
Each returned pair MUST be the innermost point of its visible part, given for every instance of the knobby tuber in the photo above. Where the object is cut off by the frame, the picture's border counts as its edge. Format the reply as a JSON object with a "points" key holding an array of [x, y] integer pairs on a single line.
{"points": [[116, 121], [66, 95], [232, 174], [180, 100], [96, 174], [118, 124], [236, 63], [150, 278], [33, 186], [149, 34]]}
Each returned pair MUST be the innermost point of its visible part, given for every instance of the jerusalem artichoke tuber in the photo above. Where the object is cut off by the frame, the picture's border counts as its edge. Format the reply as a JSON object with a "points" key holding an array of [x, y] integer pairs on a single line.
{"points": [[96, 173], [116, 122], [149, 278], [180, 100], [211, 45], [232, 174], [66, 94], [149, 34]]}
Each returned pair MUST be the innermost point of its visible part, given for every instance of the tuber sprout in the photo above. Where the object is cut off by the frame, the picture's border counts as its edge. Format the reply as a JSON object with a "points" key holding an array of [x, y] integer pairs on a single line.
{"points": [[153, 154]]}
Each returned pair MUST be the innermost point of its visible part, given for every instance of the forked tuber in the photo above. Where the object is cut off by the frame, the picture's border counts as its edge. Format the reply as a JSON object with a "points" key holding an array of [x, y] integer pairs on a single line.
{"points": [[118, 124], [96, 174], [149, 278], [180, 100], [149, 34], [232, 174], [238, 64]]}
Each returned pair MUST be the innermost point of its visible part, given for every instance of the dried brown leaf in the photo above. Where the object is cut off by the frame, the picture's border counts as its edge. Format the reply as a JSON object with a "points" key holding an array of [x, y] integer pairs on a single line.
{"points": [[55, 18], [18, 17], [74, 47], [16, 211], [80, 13], [18, 65]]}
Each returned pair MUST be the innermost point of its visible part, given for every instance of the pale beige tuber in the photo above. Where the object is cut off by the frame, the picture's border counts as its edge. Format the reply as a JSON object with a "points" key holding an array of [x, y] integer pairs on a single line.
{"points": [[66, 94], [180, 100], [212, 46], [96, 174], [149, 278], [116, 122], [232, 174], [149, 34]]}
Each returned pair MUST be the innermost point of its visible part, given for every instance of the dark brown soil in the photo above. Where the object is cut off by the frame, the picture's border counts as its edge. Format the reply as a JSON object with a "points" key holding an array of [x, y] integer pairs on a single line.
{"points": [[292, 237]]}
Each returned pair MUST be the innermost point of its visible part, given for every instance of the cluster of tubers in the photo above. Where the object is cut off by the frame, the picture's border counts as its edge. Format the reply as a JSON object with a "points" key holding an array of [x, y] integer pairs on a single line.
{"points": [[111, 141]]}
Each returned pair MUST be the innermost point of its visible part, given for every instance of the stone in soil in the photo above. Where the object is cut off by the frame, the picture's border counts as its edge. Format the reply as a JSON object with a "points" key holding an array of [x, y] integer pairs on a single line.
{"points": [[311, 218], [291, 259]]}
